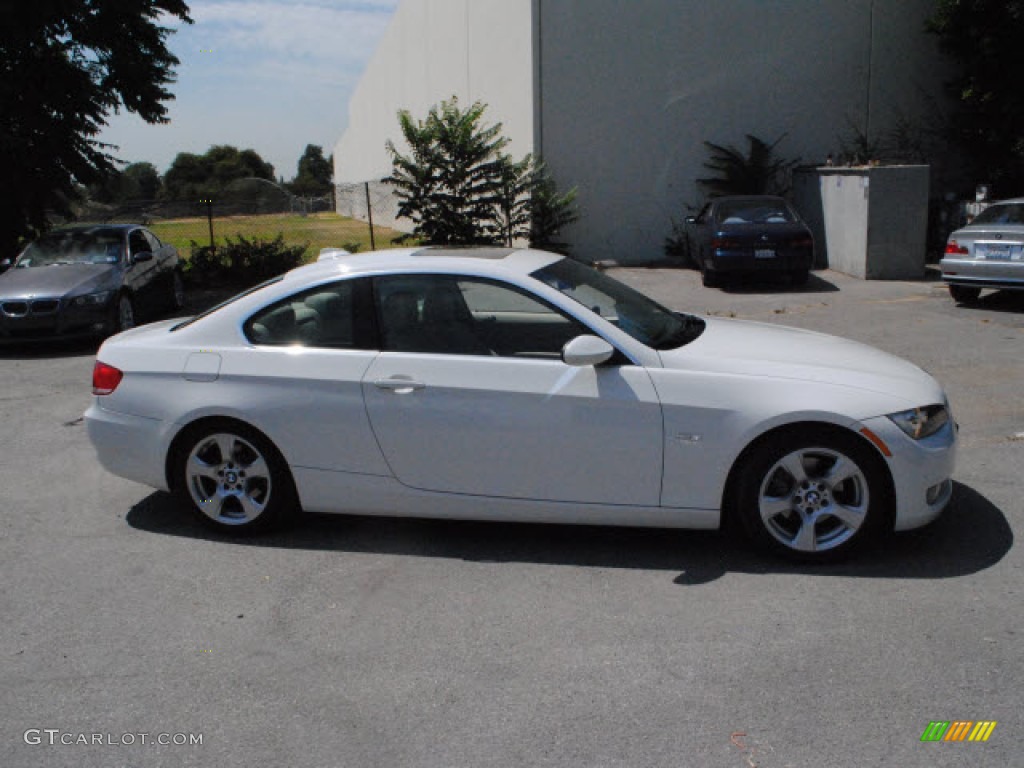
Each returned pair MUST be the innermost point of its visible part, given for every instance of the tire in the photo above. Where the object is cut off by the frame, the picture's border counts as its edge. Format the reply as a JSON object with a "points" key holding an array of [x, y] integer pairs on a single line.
{"points": [[708, 278], [799, 277], [814, 494], [177, 291], [122, 314], [964, 294], [233, 479]]}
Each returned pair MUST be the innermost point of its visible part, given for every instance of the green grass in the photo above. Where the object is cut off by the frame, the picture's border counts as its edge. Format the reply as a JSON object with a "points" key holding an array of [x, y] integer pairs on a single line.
{"points": [[320, 230]]}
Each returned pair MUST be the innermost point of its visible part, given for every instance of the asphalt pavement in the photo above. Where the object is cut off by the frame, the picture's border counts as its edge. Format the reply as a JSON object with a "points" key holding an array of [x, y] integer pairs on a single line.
{"points": [[360, 642]]}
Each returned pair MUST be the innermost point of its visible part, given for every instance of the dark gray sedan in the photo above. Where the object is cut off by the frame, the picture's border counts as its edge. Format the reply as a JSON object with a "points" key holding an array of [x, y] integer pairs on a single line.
{"points": [[987, 253], [754, 233], [88, 281]]}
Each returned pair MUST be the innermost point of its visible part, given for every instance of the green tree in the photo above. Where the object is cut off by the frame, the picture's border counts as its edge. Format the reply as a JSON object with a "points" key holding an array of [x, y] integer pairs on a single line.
{"points": [[64, 66], [758, 172], [459, 187], [982, 39], [448, 184], [315, 173], [195, 177]]}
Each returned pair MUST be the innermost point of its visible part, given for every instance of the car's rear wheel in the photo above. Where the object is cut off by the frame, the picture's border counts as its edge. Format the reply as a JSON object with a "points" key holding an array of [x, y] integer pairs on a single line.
{"points": [[234, 479], [964, 294], [811, 494], [709, 278]]}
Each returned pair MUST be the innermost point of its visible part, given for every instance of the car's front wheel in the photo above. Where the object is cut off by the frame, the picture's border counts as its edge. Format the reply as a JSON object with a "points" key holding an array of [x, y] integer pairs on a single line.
{"points": [[233, 478], [122, 317], [811, 494], [964, 294]]}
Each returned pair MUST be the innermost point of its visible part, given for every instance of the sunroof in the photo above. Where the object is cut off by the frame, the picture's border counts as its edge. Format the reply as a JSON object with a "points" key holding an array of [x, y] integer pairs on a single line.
{"points": [[466, 252]]}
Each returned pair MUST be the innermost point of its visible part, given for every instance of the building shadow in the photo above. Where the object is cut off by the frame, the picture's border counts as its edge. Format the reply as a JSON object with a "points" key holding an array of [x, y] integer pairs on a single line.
{"points": [[971, 536]]}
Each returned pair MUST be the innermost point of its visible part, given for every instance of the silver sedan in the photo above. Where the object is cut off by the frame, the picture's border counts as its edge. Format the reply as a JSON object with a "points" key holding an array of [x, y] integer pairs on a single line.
{"points": [[987, 253]]}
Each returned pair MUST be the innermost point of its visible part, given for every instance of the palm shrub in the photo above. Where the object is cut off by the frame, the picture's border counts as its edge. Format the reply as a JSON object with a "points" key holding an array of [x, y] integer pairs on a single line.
{"points": [[758, 172]]}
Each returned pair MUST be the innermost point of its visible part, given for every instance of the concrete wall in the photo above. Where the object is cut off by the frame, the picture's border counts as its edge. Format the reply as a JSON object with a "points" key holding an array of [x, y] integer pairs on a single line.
{"points": [[432, 50], [630, 91]]}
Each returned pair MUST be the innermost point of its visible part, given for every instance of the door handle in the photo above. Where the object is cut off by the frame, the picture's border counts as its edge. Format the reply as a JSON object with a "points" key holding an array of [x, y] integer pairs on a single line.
{"points": [[400, 386]]}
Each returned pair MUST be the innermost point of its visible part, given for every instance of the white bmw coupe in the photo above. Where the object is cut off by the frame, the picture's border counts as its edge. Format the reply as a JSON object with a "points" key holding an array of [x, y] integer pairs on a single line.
{"points": [[501, 384]]}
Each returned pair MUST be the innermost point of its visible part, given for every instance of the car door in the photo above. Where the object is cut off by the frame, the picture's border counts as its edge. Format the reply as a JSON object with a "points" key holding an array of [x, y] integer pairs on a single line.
{"points": [[141, 276], [470, 395], [163, 256]]}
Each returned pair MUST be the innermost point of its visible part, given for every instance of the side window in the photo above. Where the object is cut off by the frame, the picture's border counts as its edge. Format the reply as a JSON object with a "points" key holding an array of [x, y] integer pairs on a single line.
{"points": [[445, 314], [137, 243], [152, 240], [319, 317]]}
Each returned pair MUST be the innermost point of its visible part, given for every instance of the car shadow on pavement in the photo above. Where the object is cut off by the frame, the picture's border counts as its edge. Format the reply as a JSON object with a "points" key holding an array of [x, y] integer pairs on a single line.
{"points": [[998, 301], [776, 283], [49, 349], [971, 536]]}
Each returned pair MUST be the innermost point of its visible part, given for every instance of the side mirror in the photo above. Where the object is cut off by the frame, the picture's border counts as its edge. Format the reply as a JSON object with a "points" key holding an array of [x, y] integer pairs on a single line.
{"points": [[142, 256], [691, 219], [587, 350]]}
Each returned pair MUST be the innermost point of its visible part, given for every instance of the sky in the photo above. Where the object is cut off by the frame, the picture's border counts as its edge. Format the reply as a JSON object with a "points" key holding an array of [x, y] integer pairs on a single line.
{"points": [[269, 75]]}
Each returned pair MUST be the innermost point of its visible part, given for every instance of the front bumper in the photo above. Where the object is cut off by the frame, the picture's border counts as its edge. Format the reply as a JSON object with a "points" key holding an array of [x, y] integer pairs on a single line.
{"points": [[64, 321], [922, 471]]}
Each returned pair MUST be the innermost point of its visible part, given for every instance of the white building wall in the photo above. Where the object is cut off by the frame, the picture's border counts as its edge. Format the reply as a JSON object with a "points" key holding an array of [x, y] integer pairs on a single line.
{"points": [[630, 91], [434, 49], [619, 97]]}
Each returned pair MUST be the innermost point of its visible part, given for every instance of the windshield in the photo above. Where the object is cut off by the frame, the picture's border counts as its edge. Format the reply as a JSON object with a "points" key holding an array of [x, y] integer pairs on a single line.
{"points": [[78, 247], [642, 318], [1001, 214]]}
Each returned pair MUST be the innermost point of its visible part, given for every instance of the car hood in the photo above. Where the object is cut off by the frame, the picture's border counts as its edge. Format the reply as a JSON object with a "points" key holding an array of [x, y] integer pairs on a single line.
{"points": [[56, 280], [747, 348]]}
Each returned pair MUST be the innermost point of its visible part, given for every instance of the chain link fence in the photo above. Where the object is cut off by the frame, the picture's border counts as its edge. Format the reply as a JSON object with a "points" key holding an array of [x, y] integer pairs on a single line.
{"points": [[258, 209], [371, 201]]}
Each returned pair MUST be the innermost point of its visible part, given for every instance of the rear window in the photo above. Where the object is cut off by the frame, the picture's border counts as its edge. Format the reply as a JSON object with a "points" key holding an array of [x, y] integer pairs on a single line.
{"points": [[754, 212], [1010, 213], [223, 304]]}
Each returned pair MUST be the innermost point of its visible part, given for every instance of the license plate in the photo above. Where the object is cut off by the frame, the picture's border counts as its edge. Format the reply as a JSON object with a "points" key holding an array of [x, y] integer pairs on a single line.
{"points": [[764, 253], [997, 251]]}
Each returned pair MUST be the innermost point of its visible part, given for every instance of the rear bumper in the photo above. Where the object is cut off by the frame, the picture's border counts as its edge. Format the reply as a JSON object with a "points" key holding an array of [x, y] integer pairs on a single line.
{"points": [[132, 447], [744, 260], [980, 273]]}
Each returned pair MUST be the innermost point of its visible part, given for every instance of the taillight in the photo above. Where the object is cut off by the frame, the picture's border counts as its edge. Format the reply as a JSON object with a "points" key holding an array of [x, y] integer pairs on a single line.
{"points": [[955, 248], [725, 242], [801, 242], [105, 378]]}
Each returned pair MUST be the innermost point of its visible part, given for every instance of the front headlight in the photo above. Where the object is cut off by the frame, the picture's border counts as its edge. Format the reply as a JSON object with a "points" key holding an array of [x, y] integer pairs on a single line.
{"points": [[92, 299], [920, 423]]}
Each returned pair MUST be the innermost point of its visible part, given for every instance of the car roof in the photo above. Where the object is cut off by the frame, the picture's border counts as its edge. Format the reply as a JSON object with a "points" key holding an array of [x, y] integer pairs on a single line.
{"points": [[93, 228], [1010, 201], [478, 259]]}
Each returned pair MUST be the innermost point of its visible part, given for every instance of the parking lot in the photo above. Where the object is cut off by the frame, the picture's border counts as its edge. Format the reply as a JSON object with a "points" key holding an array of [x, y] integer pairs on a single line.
{"points": [[355, 641]]}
